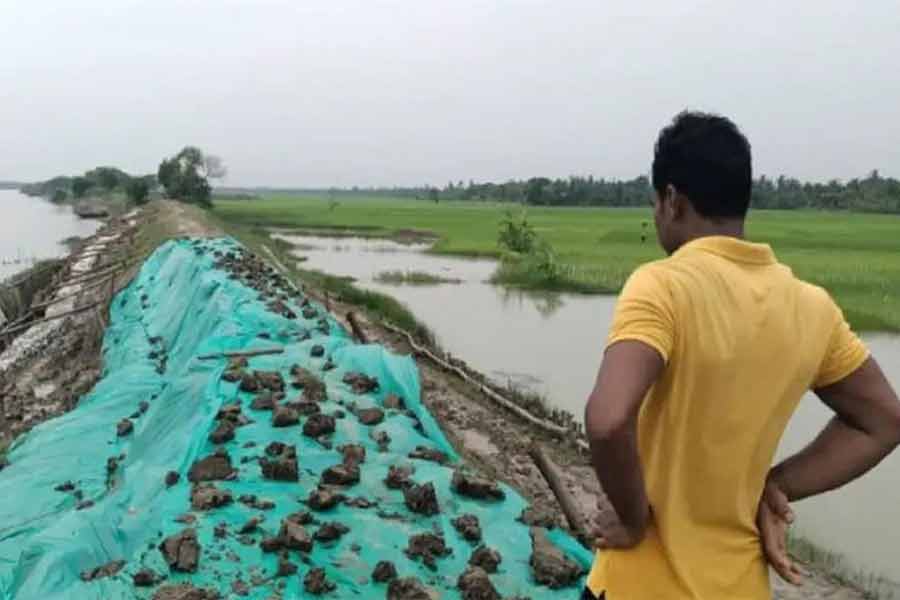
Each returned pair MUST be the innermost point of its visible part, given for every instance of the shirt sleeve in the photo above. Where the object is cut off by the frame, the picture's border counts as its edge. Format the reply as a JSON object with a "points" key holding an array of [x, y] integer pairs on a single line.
{"points": [[644, 312], [844, 354]]}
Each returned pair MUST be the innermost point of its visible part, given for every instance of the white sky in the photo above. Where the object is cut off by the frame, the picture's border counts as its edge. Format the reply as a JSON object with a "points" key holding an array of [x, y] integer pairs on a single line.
{"points": [[374, 92]]}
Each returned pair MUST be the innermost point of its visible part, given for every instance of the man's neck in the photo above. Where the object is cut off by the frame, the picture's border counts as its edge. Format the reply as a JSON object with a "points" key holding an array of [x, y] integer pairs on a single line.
{"points": [[724, 227]]}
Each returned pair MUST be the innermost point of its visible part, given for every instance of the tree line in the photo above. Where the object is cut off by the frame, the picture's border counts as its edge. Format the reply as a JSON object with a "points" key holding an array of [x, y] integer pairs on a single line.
{"points": [[873, 193], [184, 176]]}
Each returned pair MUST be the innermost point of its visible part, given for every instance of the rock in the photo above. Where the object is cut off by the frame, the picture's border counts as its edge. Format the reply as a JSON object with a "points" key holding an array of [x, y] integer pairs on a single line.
{"points": [[408, 588], [486, 558], [145, 578], [266, 400], [285, 568], [425, 453], [172, 478], [468, 527], [370, 416], [124, 427], [354, 454], [330, 531], [282, 467], [305, 407], [181, 551], [341, 474], [318, 424], [398, 477], [206, 496], [316, 583], [549, 565], [360, 383], [214, 467], [384, 571], [394, 402], [68, 486], [224, 432], [184, 591], [317, 351], [428, 547], [284, 416], [472, 486], [474, 584], [250, 526], [323, 499], [108, 570], [421, 499], [294, 536]]}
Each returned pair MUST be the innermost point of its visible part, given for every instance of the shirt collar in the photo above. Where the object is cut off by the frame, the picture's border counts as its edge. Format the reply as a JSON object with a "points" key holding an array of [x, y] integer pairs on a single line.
{"points": [[731, 248]]}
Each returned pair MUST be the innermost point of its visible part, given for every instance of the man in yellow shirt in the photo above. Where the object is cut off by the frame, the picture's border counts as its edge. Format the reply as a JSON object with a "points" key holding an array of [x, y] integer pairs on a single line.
{"points": [[709, 354]]}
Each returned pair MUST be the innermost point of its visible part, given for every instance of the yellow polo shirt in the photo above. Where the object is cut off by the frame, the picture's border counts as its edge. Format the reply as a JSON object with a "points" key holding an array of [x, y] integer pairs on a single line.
{"points": [[743, 340]]}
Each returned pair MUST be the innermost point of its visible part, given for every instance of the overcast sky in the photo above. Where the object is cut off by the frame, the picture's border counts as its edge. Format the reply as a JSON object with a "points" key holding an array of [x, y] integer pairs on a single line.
{"points": [[371, 92]]}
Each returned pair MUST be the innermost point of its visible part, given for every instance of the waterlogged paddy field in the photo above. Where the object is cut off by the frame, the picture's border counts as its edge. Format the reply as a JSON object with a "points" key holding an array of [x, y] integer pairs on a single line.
{"points": [[855, 256]]}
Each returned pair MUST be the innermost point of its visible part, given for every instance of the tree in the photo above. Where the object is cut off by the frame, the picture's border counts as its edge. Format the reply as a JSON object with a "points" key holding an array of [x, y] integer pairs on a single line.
{"points": [[80, 186], [433, 195], [214, 167], [184, 177], [137, 190], [59, 196]]}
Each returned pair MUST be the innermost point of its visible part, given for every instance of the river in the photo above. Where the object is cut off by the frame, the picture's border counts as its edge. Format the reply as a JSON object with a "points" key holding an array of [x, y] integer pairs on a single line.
{"points": [[552, 344], [32, 228]]}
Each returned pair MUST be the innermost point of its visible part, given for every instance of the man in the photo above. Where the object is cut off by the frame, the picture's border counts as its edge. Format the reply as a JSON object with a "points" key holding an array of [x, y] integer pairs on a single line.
{"points": [[709, 353]]}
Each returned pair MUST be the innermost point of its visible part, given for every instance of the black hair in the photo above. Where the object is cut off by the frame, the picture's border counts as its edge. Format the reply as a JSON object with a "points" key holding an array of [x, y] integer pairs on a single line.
{"points": [[706, 158]]}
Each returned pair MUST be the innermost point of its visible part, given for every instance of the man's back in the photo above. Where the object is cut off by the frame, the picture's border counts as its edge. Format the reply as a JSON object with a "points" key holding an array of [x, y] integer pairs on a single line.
{"points": [[743, 340]]}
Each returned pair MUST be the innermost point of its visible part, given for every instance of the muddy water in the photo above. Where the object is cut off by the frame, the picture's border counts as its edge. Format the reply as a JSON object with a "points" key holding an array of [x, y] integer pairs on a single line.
{"points": [[31, 228], [552, 343]]}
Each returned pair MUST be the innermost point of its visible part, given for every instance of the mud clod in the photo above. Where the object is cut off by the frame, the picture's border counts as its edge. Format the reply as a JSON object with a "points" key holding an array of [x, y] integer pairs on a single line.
{"points": [[206, 496], [215, 467], [124, 427], [252, 501], [108, 570], [330, 531], [427, 547], [421, 499], [317, 583], [313, 387], [184, 591], [398, 477], [249, 383], [341, 474], [273, 544], [370, 416], [223, 433], [220, 531], [305, 407], [384, 571], [280, 466], [270, 380], [394, 402], [317, 351], [468, 527], [294, 536], [284, 416], [266, 400], [354, 454], [324, 499], [472, 486], [538, 517], [250, 526], [549, 565], [68, 486], [285, 568], [240, 588], [474, 584], [382, 439], [486, 558], [425, 453], [408, 588], [145, 578], [360, 383], [318, 424], [181, 551]]}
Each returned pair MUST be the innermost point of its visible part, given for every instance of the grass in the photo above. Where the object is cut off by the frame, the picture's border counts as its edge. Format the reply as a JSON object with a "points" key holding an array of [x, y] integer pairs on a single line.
{"points": [[873, 587], [855, 256], [412, 278]]}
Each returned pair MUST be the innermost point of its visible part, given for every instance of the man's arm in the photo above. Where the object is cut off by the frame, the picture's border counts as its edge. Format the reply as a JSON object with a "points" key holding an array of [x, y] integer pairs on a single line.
{"points": [[865, 429], [628, 370]]}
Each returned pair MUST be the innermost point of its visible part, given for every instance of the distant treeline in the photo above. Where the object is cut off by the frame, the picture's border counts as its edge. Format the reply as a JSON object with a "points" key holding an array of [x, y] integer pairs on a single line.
{"points": [[871, 194], [10, 185], [101, 180]]}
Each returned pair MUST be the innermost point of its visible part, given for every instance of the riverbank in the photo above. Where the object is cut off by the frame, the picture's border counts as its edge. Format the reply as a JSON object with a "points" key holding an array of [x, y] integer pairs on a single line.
{"points": [[493, 439], [851, 255]]}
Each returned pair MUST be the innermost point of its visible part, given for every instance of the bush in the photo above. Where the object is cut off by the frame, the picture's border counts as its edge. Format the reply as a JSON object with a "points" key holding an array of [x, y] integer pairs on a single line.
{"points": [[516, 235]]}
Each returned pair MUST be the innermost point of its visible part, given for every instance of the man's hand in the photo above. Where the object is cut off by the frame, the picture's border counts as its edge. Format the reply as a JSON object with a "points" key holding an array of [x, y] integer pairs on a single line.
{"points": [[773, 517], [610, 534]]}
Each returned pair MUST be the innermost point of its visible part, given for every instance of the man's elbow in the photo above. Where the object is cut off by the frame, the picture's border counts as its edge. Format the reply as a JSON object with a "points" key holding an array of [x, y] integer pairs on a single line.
{"points": [[892, 427], [605, 424]]}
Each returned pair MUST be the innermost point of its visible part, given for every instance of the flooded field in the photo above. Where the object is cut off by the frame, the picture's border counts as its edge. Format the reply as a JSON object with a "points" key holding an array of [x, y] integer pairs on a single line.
{"points": [[552, 344]]}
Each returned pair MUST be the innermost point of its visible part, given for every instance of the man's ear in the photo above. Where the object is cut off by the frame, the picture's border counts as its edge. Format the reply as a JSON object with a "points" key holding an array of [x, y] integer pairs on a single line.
{"points": [[678, 203]]}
